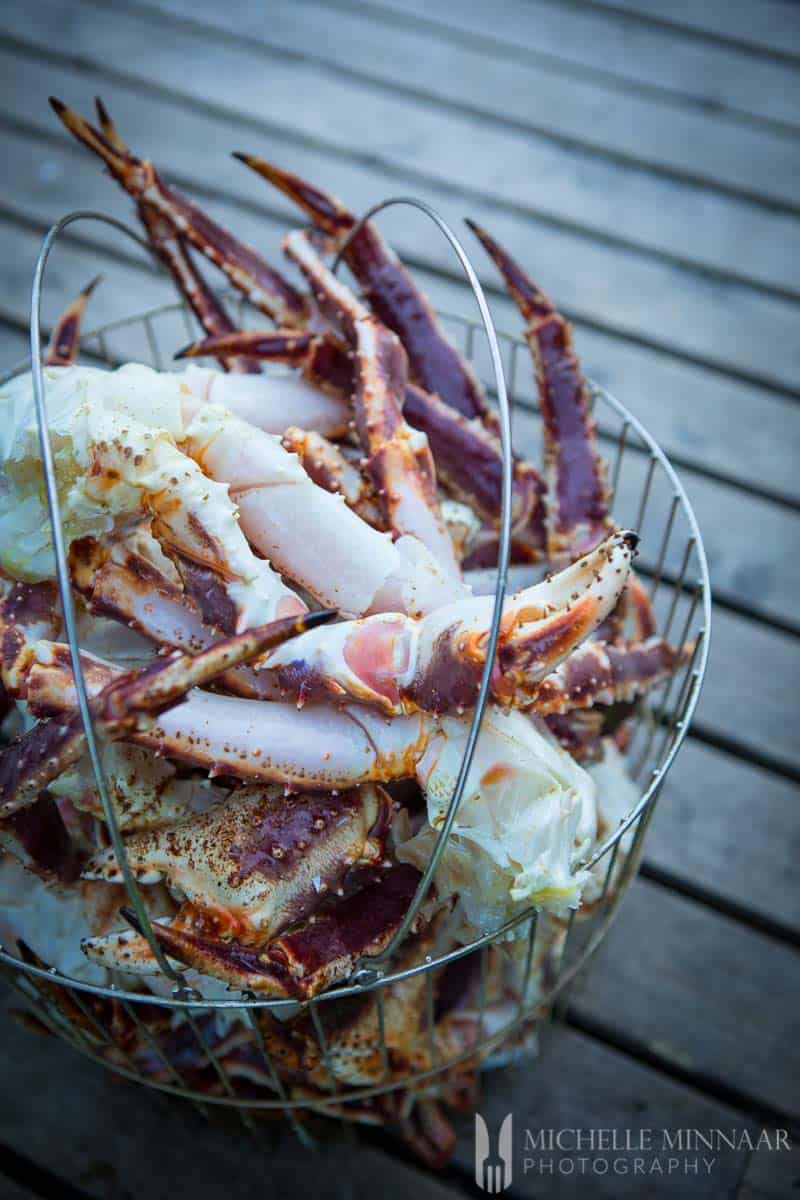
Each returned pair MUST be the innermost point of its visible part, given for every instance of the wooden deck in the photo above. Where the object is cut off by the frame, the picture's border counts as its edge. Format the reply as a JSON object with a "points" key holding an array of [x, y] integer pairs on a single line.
{"points": [[644, 160]]}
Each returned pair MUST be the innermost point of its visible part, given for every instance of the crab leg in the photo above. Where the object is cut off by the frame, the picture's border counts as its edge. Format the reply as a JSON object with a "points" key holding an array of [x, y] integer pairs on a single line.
{"points": [[126, 704], [604, 674], [435, 664], [65, 340], [321, 951], [390, 290], [127, 588], [263, 286], [330, 469], [256, 863], [399, 461], [577, 490], [339, 559], [322, 359], [121, 429]]}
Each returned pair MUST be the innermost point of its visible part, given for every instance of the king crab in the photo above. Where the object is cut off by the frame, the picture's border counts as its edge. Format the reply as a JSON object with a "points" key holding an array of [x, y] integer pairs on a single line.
{"points": [[258, 754]]}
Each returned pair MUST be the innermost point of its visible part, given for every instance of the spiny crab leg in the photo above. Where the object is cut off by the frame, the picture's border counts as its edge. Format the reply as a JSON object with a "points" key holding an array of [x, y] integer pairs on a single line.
{"points": [[604, 674], [129, 703], [436, 663], [330, 469], [263, 286], [319, 952], [121, 428], [173, 252], [469, 462], [390, 291], [399, 461], [254, 864], [577, 490], [65, 340], [252, 740]]}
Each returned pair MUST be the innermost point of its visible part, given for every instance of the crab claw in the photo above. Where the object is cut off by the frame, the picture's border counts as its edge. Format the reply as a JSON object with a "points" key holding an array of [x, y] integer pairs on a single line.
{"points": [[264, 287], [63, 348], [577, 499], [319, 952]]}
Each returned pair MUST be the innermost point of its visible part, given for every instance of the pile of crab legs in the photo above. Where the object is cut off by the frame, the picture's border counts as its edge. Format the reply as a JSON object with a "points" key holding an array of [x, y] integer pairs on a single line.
{"points": [[382, 447]]}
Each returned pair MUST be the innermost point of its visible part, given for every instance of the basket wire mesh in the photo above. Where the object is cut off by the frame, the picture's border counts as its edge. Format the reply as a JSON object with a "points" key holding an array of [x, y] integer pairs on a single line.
{"points": [[150, 1038]]}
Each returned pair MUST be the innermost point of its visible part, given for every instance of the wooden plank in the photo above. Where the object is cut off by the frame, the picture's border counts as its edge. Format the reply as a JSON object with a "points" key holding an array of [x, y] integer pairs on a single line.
{"points": [[699, 417], [580, 1084], [571, 187], [771, 1176], [115, 1140], [771, 25], [701, 991], [11, 1190], [613, 44], [579, 110], [730, 829], [728, 325]]}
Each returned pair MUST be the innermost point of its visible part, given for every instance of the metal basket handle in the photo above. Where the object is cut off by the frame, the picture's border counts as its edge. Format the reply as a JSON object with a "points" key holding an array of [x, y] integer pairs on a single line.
{"points": [[367, 971], [62, 571]]}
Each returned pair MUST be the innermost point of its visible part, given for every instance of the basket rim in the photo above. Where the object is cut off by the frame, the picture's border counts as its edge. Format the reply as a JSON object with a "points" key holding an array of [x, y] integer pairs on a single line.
{"points": [[189, 999]]}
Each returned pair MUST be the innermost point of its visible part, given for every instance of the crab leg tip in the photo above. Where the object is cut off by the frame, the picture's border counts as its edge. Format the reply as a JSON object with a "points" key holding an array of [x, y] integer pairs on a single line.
{"points": [[87, 291], [311, 620], [130, 916], [58, 106]]}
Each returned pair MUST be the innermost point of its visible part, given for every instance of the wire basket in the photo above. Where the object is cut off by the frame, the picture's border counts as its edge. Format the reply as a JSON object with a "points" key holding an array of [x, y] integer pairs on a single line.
{"points": [[228, 1051]]}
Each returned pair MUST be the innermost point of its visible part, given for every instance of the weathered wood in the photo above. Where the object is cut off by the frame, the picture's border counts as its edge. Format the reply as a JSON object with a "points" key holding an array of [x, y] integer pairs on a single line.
{"points": [[696, 415], [580, 1084], [11, 1190], [775, 27], [701, 991], [115, 1139], [584, 111], [731, 829], [726, 324], [771, 1176], [621, 49]]}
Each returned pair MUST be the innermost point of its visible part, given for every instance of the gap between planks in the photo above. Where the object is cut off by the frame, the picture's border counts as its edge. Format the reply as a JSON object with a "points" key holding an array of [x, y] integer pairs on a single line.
{"points": [[669, 250], [343, 67], [624, 324], [442, 25]]}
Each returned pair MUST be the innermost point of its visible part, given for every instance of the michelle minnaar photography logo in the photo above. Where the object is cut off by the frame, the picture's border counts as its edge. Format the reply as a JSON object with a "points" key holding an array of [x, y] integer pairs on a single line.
{"points": [[493, 1163], [600, 1151]]}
